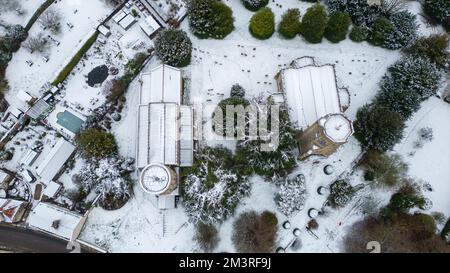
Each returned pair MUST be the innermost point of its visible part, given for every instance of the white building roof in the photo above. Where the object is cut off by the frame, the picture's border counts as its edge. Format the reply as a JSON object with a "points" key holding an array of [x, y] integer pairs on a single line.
{"points": [[150, 26], [311, 93], [104, 30], [43, 216], [29, 157], [24, 96], [337, 127], [54, 161], [163, 84], [119, 16], [127, 22], [52, 189], [186, 136]]}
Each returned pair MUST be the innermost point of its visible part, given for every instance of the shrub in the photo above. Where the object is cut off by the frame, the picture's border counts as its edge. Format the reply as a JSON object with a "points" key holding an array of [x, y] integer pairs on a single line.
{"points": [[341, 193], [380, 30], [337, 27], [95, 143], [404, 30], [174, 47], [360, 11], [439, 10], [255, 233], [210, 19], [206, 236], [433, 47], [237, 91], [254, 5], [314, 23], [445, 233], [289, 26], [359, 34], [407, 197], [388, 170], [222, 123], [262, 24], [291, 196], [378, 128]]}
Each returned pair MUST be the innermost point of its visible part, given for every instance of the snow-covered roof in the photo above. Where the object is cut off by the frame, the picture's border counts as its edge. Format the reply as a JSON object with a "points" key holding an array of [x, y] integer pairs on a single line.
{"points": [[24, 96], [44, 215], [52, 189], [155, 179], [54, 160], [186, 136], [158, 134], [127, 22], [163, 84], [10, 210], [311, 93], [104, 30], [39, 108], [29, 157], [119, 16], [337, 127], [166, 202], [149, 26]]}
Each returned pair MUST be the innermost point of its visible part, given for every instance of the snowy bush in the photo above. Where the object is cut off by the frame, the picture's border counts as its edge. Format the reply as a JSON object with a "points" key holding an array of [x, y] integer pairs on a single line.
{"points": [[109, 177], [404, 30], [277, 163], [289, 26], [11, 39], [173, 47], [254, 5], [213, 189], [406, 198], [314, 23], [378, 128], [439, 10], [341, 193], [359, 34], [388, 170], [382, 27], [337, 27], [292, 195], [360, 11], [434, 47], [210, 19], [262, 24], [237, 91], [426, 134]]}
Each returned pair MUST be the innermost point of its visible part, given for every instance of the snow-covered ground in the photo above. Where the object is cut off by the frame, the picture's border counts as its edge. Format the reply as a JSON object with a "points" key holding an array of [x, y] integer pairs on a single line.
{"points": [[27, 8]]}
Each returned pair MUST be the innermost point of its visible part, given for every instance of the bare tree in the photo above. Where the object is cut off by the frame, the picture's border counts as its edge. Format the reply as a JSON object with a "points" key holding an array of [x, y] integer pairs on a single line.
{"points": [[51, 20], [36, 43]]}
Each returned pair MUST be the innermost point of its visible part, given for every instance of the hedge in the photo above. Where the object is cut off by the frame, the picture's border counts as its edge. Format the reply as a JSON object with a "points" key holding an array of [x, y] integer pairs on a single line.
{"points": [[38, 13], [75, 59]]}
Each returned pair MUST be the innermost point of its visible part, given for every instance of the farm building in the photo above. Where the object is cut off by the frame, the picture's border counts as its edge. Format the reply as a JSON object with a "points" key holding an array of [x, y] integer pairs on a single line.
{"points": [[54, 161], [316, 106], [165, 133]]}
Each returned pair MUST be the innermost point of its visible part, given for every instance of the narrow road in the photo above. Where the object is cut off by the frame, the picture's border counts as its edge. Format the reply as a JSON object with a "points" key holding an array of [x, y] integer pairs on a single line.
{"points": [[15, 239]]}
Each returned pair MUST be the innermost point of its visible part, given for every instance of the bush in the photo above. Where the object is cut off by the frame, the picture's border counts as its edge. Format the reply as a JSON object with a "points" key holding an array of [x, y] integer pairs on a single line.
{"points": [[237, 91], [337, 27], [433, 47], [314, 23], [401, 234], [378, 128], [254, 5], [360, 11], [445, 233], [262, 24], [13, 36], [388, 170], [255, 233], [406, 198], [222, 123], [359, 34], [289, 26], [341, 193], [291, 196], [380, 31], [174, 47], [65, 72], [206, 236], [439, 10], [404, 30], [95, 143], [210, 19]]}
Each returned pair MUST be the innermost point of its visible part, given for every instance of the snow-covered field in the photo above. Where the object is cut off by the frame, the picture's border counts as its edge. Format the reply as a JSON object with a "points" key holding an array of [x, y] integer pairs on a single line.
{"points": [[27, 8]]}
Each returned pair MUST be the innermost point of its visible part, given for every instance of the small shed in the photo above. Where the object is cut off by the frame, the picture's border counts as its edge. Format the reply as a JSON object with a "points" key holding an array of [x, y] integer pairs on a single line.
{"points": [[104, 31], [127, 22]]}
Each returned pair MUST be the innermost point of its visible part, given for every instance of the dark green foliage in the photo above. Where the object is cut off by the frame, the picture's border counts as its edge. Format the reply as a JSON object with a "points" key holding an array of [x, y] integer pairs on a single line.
{"points": [[378, 128], [232, 103], [433, 47], [97, 144], [388, 170], [254, 5], [289, 26], [174, 47], [210, 19], [359, 34], [262, 24], [237, 91], [341, 193], [337, 27], [445, 233], [439, 10], [314, 23], [407, 197], [380, 30]]}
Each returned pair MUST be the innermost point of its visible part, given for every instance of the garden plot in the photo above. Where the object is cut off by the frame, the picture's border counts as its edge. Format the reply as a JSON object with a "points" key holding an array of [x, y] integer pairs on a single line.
{"points": [[83, 17], [26, 8]]}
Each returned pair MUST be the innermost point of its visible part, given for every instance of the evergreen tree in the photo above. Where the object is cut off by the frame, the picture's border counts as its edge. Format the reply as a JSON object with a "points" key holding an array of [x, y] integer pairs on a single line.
{"points": [[440, 10], [314, 23], [173, 47], [254, 5], [210, 19], [360, 11], [337, 27], [378, 128], [359, 34], [289, 26], [237, 91], [433, 47], [403, 32], [382, 27], [95, 143], [262, 24], [292, 195]]}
